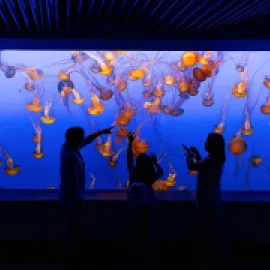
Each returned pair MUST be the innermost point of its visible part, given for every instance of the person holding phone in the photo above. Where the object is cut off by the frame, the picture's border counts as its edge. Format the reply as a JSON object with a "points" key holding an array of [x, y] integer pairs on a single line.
{"points": [[208, 193], [72, 186], [141, 197]]}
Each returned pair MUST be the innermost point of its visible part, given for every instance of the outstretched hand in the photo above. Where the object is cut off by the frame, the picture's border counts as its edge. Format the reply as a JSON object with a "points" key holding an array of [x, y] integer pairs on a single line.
{"points": [[194, 150], [107, 130]]}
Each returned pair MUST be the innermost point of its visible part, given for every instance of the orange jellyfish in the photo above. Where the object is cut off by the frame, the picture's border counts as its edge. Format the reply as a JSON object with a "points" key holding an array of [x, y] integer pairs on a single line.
{"points": [[122, 133], [128, 110], [105, 94], [46, 118], [122, 120], [167, 109], [139, 146], [247, 129], [147, 93], [267, 81], [38, 154], [77, 98], [120, 84], [239, 90], [265, 109], [109, 56], [139, 73], [35, 105], [158, 91], [106, 69], [169, 80], [205, 59], [96, 108], [183, 87], [208, 99], [193, 87], [10, 168], [63, 76], [220, 127], [255, 160], [237, 146], [113, 160], [29, 86], [189, 59], [105, 149], [35, 74], [199, 75], [240, 67], [147, 80], [154, 106], [38, 135]]}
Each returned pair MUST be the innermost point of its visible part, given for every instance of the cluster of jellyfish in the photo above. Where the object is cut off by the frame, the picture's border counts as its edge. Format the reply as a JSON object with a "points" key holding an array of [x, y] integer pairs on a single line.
{"points": [[181, 78]]}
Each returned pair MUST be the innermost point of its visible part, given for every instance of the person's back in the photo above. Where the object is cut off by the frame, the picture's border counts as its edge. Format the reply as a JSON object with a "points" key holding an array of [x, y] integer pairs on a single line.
{"points": [[72, 172]]}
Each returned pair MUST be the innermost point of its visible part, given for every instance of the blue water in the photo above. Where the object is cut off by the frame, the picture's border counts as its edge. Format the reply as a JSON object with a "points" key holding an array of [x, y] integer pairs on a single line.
{"points": [[166, 133]]}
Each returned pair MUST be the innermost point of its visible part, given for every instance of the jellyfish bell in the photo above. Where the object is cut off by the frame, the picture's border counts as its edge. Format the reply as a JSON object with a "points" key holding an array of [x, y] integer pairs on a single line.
{"points": [[237, 146], [137, 74], [219, 129], [240, 68], [35, 105], [128, 111], [267, 81], [207, 71], [106, 69], [247, 129], [183, 87], [122, 133], [167, 109], [265, 109], [199, 75], [255, 160], [201, 59], [10, 72], [122, 120], [29, 86], [192, 172], [12, 170], [177, 112], [189, 59], [96, 110], [49, 120], [140, 146], [193, 92], [239, 90], [106, 94], [169, 80], [208, 101], [35, 74], [109, 56], [38, 154], [112, 162], [63, 76]]}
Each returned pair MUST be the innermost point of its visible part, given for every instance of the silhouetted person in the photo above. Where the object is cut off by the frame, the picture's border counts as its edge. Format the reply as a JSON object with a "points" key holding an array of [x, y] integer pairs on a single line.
{"points": [[208, 194], [141, 199], [72, 185]]}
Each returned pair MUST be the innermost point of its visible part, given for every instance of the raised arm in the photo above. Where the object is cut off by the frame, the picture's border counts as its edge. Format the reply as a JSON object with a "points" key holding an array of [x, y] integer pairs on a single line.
{"points": [[193, 164], [130, 165], [90, 138]]}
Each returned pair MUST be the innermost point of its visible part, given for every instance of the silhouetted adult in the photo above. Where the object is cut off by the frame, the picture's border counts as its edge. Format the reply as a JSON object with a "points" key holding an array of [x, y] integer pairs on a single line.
{"points": [[141, 199], [208, 194], [72, 187]]}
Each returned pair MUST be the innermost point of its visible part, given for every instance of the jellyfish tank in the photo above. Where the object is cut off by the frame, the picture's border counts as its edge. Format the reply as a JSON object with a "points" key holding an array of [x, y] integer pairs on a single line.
{"points": [[167, 98]]}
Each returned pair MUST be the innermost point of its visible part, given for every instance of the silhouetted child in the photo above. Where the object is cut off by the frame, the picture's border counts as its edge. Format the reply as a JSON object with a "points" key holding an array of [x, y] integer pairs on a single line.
{"points": [[72, 187], [141, 198], [208, 195]]}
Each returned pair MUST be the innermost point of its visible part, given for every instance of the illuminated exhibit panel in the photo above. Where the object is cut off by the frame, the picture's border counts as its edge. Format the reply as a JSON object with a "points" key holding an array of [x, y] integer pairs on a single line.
{"points": [[166, 98]]}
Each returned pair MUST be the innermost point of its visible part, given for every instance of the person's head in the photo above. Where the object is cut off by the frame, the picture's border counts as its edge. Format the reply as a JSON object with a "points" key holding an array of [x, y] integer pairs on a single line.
{"points": [[144, 166], [74, 136], [215, 146]]}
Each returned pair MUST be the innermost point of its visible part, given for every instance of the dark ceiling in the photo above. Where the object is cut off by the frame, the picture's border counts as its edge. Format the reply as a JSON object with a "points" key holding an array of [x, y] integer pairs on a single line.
{"points": [[135, 19]]}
